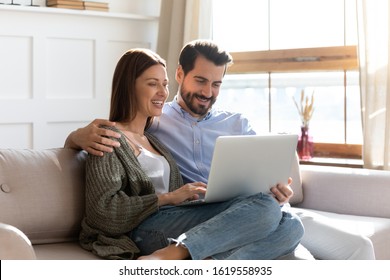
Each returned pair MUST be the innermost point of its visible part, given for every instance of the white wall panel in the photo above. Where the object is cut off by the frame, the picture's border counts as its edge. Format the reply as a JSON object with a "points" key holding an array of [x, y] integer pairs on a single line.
{"points": [[56, 69], [70, 68], [16, 135], [15, 67], [56, 132]]}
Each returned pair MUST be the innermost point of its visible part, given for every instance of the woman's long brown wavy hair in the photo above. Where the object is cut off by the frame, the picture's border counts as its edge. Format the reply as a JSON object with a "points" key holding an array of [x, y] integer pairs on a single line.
{"points": [[130, 66]]}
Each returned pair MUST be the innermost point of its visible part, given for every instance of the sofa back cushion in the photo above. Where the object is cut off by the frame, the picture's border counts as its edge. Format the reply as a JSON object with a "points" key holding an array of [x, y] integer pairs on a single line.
{"points": [[42, 192]]}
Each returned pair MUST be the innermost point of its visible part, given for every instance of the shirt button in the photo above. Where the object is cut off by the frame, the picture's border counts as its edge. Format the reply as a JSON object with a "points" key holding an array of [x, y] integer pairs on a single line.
{"points": [[197, 141]]}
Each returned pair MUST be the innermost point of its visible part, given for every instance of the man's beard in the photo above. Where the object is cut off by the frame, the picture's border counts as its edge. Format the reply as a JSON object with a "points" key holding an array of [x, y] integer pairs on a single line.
{"points": [[189, 99]]}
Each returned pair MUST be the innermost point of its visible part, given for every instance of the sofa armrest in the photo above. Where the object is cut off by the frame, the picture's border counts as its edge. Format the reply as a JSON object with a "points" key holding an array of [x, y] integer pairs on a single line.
{"points": [[14, 244], [352, 191]]}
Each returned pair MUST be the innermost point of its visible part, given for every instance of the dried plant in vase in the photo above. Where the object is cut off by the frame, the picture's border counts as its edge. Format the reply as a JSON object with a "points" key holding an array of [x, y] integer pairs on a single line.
{"points": [[305, 109]]}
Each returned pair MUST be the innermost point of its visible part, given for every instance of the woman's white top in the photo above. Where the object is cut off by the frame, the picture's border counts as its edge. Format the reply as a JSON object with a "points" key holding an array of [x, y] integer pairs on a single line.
{"points": [[157, 168]]}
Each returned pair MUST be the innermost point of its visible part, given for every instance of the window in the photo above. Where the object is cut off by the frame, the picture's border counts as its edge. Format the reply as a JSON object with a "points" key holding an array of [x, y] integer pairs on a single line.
{"points": [[280, 47]]}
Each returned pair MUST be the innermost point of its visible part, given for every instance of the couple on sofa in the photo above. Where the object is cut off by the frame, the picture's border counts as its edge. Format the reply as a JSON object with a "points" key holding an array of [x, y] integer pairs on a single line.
{"points": [[133, 182]]}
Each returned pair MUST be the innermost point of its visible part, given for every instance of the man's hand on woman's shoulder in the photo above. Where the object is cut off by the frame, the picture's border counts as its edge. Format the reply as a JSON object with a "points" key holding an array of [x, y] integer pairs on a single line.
{"points": [[93, 138]]}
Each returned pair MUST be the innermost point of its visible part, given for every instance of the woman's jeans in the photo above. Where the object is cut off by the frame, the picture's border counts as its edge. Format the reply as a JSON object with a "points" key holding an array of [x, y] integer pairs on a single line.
{"points": [[243, 228]]}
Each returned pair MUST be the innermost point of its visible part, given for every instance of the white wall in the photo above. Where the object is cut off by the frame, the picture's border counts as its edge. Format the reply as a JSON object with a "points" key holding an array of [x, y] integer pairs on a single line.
{"points": [[56, 67]]}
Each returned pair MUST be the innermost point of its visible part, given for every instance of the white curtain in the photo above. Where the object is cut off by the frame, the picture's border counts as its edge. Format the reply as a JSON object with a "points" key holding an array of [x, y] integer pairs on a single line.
{"points": [[180, 22], [373, 23]]}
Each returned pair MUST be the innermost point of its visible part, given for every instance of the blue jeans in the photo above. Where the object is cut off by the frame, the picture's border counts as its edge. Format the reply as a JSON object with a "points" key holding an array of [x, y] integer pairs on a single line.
{"points": [[252, 227]]}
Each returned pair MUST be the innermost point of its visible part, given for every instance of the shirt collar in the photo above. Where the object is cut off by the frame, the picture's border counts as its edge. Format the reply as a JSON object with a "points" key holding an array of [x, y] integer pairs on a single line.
{"points": [[186, 115]]}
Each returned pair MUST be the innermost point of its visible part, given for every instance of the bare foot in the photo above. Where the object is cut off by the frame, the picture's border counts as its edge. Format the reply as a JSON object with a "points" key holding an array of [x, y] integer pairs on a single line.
{"points": [[172, 252]]}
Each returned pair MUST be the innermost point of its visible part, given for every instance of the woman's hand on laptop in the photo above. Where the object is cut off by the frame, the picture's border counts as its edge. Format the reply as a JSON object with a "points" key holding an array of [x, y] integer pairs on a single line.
{"points": [[189, 191], [282, 192]]}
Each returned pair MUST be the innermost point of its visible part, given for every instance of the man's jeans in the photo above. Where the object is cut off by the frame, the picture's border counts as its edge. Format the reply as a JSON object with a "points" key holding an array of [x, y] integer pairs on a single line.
{"points": [[243, 228]]}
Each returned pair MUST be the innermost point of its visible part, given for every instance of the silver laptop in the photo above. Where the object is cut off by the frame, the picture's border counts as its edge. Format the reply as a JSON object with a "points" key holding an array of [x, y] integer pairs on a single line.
{"points": [[245, 165]]}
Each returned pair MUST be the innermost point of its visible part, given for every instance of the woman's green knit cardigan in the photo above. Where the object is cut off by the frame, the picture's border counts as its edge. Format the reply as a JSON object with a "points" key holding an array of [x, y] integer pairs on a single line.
{"points": [[119, 196]]}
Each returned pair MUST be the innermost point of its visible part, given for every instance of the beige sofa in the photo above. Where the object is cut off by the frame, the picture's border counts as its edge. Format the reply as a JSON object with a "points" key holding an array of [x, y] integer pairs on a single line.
{"points": [[42, 203]]}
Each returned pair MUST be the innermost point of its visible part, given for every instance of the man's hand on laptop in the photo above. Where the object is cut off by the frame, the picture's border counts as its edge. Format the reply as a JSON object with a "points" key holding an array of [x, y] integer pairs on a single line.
{"points": [[189, 191], [282, 192]]}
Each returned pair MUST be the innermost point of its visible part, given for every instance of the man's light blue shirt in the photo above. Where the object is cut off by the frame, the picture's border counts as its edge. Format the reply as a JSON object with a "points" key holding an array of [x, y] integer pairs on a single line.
{"points": [[191, 141]]}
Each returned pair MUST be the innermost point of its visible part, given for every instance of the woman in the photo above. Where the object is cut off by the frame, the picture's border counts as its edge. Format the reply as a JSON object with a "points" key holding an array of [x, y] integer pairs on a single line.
{"points": [[131, 193]]}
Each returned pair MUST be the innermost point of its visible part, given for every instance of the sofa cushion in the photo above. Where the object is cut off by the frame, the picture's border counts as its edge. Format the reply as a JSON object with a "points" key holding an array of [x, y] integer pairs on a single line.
{"points": [[63, 251], [353, 191], [318, 231], [300, 253], [42, 192], [73, 251]]}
